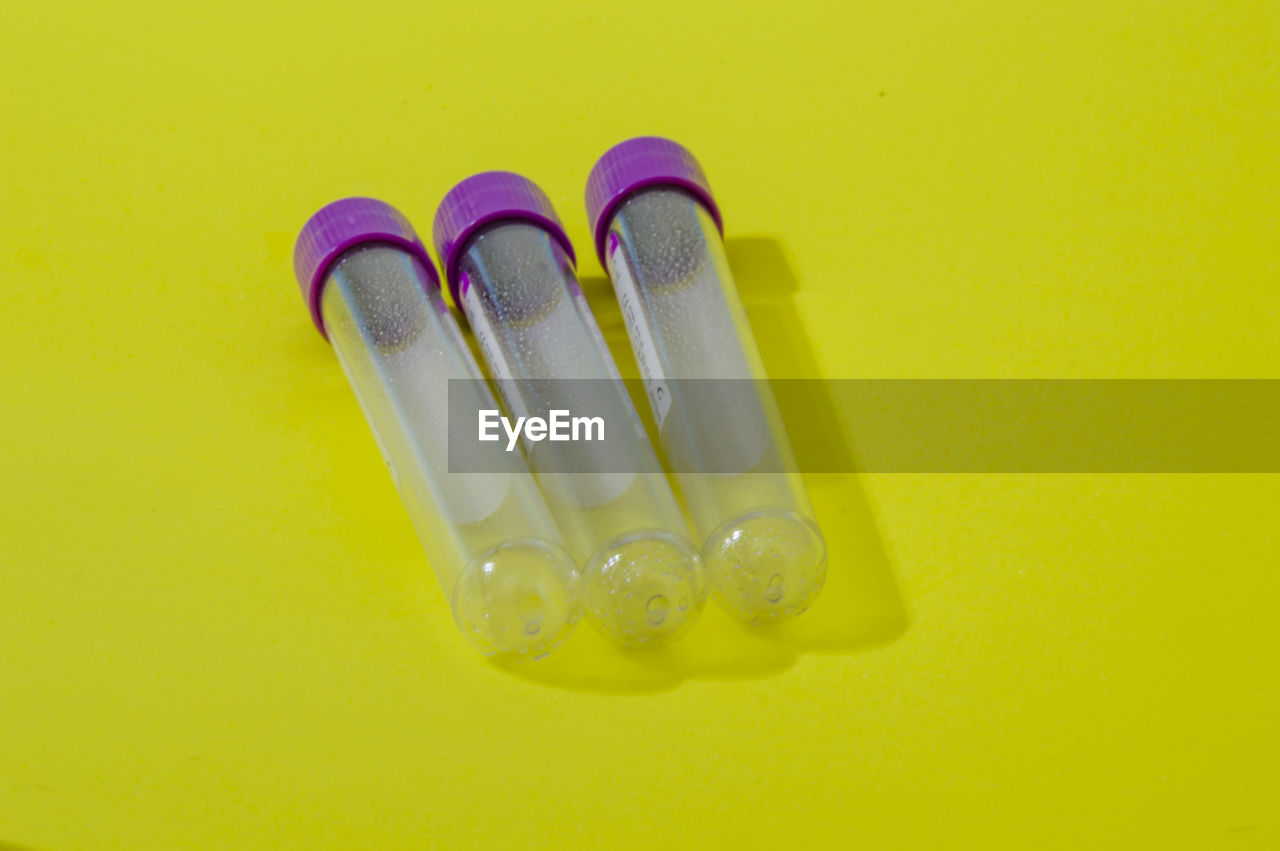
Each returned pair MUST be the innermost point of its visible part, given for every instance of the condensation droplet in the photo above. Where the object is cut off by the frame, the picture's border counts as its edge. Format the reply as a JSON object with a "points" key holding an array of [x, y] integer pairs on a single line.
{"points": [[774, 592], [657, 607]]}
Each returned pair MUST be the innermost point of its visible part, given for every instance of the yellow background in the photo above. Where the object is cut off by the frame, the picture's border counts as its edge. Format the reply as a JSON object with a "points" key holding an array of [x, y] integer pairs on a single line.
{"points": [[217, 628]]}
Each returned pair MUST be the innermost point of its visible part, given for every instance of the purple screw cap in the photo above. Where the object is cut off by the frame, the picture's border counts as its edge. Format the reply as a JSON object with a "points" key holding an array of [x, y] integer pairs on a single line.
{"points": [[342, 225], [636, 164], [483, 199]]}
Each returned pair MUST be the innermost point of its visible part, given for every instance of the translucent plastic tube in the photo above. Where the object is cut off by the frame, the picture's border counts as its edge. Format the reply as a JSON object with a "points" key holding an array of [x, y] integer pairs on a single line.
{"points": [[373, 292], [657, 232], [510, 268]]}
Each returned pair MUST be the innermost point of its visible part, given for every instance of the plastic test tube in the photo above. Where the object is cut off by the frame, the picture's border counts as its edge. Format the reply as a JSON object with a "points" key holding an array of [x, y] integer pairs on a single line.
{"points": [[374, 294], [657, 231], [510, 267]]}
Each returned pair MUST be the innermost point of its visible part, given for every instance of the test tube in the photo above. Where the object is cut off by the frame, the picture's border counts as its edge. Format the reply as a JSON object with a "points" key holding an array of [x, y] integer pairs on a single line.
{"points": [[373, 292], [657, 231], [510, 267]]}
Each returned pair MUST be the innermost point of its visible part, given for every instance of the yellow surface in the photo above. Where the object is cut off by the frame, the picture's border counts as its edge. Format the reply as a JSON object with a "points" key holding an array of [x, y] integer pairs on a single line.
{"points": [[216, 626]]}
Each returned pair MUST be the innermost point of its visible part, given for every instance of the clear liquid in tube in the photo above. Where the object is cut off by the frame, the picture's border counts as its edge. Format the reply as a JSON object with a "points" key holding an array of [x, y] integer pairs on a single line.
{"points": [[766, 558], [515, 592]]}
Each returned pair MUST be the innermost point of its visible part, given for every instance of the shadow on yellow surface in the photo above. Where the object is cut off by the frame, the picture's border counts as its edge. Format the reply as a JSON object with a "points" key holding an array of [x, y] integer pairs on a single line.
{"points": [[767, 284], [9, 846], [861, 606]]}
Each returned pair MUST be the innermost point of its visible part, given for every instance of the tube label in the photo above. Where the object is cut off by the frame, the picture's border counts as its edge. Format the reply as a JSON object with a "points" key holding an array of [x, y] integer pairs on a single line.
{"points": [[642, 340]]}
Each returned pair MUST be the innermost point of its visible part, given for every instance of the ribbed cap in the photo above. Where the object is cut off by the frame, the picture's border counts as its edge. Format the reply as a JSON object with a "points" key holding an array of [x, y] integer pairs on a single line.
{"points": [[342, 225], [483, 199], [636, 164]]}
